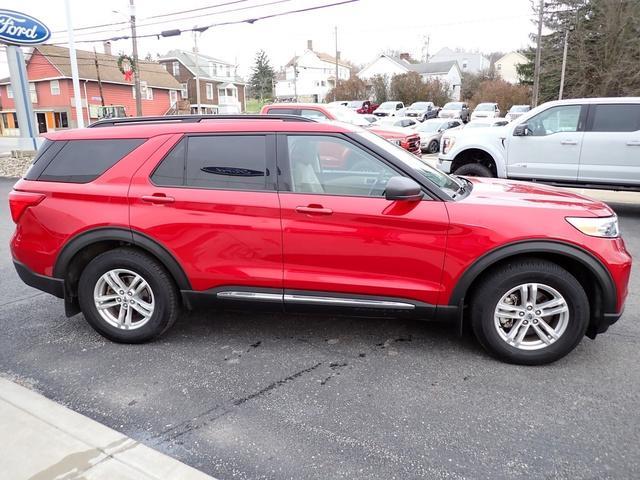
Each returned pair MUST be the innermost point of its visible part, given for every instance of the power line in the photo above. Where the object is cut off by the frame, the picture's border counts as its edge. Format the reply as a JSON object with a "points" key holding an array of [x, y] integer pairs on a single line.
{"points": [[173, 20], [176, 32]]}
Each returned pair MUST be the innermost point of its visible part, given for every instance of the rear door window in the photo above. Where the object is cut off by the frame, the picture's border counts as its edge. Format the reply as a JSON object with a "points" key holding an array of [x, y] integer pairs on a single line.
{"points": [[615, 118], [80, 161], [283, 111]]}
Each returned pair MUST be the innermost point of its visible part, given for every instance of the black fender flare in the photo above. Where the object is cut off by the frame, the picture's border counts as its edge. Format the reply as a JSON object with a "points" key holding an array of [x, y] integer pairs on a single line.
{"points": [[532, 247], [84, 239]]}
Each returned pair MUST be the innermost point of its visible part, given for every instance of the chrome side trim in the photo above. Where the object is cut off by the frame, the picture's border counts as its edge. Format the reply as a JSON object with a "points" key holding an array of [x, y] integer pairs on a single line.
{"points": [[265, 297], [347, 302]]}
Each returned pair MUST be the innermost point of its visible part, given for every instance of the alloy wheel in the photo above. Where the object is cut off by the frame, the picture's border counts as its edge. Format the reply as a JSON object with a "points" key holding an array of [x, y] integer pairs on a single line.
{"points": [[124, 299], [531, 316]]}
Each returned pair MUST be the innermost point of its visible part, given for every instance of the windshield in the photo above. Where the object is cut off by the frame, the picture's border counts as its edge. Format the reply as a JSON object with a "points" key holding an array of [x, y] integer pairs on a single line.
{"points": [[429, 127], [355, 104], [485, 107], [452, 106], [420, 105], [520, 108], [442, 180], [388, 105]]}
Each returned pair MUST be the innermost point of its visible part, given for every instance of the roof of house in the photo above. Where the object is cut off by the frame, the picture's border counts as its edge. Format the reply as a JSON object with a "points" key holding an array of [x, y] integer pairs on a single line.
{"points": [[188, 59], [153, 73], [432, 67], [325, 57]]}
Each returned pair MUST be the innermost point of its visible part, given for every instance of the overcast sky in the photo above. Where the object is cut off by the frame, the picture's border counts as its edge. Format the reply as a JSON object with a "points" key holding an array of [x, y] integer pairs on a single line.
{"points": [[365, 28]]}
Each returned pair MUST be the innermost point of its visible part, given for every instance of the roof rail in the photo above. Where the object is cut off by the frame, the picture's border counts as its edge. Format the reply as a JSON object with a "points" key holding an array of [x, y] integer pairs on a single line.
{"points": [[115, 122]]}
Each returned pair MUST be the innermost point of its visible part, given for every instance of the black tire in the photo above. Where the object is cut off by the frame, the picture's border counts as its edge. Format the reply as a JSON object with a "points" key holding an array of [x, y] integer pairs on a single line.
{"points": [[159, 280], [474, 170], [433, 146], [511, 275]]}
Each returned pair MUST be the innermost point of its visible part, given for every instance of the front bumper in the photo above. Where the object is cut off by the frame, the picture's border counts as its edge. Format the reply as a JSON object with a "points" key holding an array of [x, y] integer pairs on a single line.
{"points": [[444, 165], [54, 286]]}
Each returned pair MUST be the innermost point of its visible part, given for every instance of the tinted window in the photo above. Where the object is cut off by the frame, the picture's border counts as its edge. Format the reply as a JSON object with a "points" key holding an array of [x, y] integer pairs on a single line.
{"points": [[81, 161], [312, 114], [332, 166], [234, 162], [47, 151], [554, 120], [283, 111], [171, 170], [615, 118]]}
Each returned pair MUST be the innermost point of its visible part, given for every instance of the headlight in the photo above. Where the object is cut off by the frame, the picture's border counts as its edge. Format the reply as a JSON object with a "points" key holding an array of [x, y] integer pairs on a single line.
{"points": [[447, 144], [606, 227]]}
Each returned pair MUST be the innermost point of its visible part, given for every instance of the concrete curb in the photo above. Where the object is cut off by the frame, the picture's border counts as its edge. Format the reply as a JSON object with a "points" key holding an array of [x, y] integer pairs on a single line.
{"points": [[45, 440]]}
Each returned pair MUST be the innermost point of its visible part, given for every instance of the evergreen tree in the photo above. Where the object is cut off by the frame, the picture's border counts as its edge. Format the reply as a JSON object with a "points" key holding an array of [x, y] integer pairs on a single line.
{"points": [[603, 49], [262, 77]]}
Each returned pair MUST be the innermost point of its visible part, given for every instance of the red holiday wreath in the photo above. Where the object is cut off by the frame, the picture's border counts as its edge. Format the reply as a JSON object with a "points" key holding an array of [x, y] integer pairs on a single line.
{"points": [[127, 67]]}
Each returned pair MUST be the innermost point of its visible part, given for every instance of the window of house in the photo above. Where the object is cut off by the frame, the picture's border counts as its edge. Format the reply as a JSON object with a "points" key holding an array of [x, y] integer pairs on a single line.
{"points": [[615, 118], [5, 121], [209, 88], [175, 68], [212, 69], [173, 97], [61, 119], [228, 71], [220, 69], [54, 86], [499, 66], [183, 91], [227, 162], [465, 64], [32, 93], [15, 120], [9, 91], [332, 166]]}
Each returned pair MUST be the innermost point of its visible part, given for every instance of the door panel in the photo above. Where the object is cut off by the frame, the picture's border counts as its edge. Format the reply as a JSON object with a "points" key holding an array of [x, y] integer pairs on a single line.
{"points": [[551, 150], [362, 245], [220, 237], [611, 146]]}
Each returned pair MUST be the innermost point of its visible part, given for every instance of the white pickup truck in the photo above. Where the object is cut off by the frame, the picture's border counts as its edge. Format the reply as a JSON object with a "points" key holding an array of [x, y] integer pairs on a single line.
{"points": [[591, 142]]}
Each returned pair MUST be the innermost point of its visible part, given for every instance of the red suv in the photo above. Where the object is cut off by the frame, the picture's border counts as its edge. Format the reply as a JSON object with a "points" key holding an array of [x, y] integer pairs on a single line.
{"points": [[134, 219]]}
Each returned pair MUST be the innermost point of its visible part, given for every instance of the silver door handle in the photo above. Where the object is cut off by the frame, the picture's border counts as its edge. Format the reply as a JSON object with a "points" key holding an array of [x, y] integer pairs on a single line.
{"points": [[569, 142], [634, 143]]}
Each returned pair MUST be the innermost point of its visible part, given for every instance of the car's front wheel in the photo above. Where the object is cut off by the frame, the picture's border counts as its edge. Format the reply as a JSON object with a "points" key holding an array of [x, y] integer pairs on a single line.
{"points": [[127, 296], [530, 312], [433, 147]]}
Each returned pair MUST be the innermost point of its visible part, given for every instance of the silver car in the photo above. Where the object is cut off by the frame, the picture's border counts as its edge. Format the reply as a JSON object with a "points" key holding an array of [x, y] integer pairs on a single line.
{"points": [[431, 131], [516, 110]]}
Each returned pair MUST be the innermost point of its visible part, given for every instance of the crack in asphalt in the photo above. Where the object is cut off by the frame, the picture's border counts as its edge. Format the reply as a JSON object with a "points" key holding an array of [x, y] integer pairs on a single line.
{"points": [[21, 299], [211, 415]]}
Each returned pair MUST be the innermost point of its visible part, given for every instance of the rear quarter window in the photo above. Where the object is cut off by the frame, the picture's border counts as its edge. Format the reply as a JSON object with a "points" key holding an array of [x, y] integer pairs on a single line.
{"points": [[79, 161], [615, 118]]}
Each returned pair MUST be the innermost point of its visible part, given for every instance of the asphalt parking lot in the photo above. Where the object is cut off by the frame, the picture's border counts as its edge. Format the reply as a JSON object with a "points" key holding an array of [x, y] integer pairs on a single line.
{"points": [[262, 395]]}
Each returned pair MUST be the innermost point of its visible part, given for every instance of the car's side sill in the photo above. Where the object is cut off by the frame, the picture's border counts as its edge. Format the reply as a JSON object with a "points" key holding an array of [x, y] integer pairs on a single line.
{"points": [[347, 302], [250, 296]]}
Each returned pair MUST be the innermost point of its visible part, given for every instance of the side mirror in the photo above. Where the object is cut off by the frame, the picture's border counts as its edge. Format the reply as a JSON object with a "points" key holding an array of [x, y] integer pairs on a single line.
{"points": [[521, 130], [403, 188]]}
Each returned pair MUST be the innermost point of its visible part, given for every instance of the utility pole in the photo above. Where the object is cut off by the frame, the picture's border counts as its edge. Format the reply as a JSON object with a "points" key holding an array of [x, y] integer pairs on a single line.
{"points": [[536, 72], [337, 57], [77, 96], [564, 63], [95, 59], [134, 39], [195, 51]]}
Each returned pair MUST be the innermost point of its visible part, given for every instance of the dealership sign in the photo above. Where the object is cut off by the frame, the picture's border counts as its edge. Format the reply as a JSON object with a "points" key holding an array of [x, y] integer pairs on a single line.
{"points": [[21, 29]]}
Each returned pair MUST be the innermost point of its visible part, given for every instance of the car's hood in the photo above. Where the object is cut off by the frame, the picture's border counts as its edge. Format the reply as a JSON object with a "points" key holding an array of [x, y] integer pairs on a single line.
{"points": [[493, 191]]}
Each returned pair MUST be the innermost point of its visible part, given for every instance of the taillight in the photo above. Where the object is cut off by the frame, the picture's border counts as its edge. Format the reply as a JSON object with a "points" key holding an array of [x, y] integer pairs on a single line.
{"points": [[20, 201]]}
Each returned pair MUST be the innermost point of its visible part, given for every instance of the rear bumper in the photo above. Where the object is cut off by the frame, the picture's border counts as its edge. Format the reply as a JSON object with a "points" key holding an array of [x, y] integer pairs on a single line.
{"points": [[54, 286]]}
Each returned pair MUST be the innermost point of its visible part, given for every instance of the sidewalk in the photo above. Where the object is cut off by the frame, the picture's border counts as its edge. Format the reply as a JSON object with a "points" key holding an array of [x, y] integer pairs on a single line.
{"points": [[42, 440]]}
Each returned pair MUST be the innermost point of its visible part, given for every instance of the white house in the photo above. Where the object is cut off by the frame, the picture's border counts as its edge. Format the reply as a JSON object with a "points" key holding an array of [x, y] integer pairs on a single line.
{"points": [[447, 72], [506, 66], [472, 62], [310, 76]]}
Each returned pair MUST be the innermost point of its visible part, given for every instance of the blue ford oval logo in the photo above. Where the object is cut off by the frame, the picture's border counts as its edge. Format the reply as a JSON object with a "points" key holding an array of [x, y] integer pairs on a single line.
{"points": [[21, 29]]}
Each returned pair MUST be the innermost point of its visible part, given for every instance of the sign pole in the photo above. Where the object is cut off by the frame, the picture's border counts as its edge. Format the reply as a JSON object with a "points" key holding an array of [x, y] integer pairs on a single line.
{"points": [[74, 67], [21, 95]]}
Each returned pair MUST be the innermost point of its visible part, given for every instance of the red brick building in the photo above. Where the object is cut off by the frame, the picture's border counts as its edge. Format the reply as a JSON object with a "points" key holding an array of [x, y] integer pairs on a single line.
{"points": [[49, 74]]}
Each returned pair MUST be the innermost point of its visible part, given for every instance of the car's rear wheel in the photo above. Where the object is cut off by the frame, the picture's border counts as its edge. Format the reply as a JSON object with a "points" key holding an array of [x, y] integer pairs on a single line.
{"points": [[127, 296], [433, 147], [474, 170], [530, 312]]}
